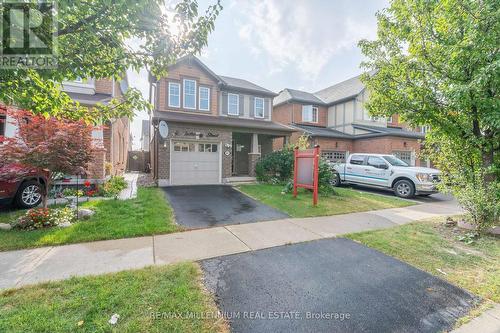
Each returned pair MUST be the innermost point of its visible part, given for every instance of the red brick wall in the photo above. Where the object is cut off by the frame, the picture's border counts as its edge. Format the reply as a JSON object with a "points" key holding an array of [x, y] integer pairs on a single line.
{"points": [[334, 144], [95, 169], [104, 86], [292, 113]]}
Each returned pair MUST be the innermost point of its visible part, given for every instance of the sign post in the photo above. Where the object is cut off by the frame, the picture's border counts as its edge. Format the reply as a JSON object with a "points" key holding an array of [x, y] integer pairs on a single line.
{"points": [[306, 171]]}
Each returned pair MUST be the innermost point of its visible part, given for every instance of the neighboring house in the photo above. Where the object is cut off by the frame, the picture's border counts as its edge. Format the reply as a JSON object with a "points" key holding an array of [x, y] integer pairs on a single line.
{"points": [[114, 134], [145, 135], [218, 126], [335, 119]]}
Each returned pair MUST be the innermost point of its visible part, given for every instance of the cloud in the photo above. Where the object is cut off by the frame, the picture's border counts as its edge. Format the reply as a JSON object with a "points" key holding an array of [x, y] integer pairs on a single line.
{"points": [[301, 34]]}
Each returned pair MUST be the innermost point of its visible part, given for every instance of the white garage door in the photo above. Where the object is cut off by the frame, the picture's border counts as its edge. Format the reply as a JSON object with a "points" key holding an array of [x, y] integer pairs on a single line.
{"points": [[194, 163]]}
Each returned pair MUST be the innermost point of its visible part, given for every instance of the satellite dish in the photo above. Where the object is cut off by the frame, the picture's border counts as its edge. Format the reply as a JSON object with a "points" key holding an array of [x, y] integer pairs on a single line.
{"points": [[163, 129]]}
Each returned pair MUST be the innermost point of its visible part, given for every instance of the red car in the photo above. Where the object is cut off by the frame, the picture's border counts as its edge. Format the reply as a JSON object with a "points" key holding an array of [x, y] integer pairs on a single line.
{"points": [[26, 192]]}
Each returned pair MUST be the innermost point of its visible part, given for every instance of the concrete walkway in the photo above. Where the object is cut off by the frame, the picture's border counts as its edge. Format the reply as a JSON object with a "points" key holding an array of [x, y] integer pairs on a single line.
{"points": [[488, 322], [131, 191], [18, 268]]}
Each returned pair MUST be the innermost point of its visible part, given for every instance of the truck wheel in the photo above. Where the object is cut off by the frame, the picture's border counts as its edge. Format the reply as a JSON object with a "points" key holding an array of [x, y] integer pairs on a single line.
{"points": [[404, 189], [29, 194], [335, 180]]}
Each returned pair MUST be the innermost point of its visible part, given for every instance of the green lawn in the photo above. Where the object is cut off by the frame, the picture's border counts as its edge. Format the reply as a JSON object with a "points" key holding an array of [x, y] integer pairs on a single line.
{"points": [[147, 214], [86, 304], [434, 248], [346, 201]]}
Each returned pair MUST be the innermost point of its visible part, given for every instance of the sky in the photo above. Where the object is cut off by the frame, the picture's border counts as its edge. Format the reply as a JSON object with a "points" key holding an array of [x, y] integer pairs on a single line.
{"points": [[301, 44]]}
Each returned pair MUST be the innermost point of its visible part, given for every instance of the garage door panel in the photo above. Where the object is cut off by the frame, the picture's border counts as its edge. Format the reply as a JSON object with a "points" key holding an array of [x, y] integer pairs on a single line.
{"points": [[197, 166]]}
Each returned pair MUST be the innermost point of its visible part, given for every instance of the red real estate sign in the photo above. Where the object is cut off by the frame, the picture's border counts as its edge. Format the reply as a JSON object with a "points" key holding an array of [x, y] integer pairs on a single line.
{"points": [[306, 171]]}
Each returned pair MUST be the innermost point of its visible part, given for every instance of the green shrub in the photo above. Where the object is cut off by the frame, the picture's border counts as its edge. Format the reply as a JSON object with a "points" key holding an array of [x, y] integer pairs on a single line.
{"points": [[277, 168], [114, 186], [481, 204]]}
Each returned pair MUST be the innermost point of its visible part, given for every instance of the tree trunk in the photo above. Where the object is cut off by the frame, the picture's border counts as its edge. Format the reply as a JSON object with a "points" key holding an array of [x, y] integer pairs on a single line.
{"points": [[487, 157], [45, 194]]}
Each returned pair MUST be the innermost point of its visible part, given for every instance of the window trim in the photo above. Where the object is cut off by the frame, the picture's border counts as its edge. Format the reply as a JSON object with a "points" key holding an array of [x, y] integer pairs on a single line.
{"points": [[184, 94], [169, 95], [313, 108], [317, 114], [255, 108], [199, 98], [237, 105]]}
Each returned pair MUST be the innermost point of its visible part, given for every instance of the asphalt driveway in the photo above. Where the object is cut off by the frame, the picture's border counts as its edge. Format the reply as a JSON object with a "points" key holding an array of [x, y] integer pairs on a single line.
{"points": [[203, 206], [330, 285]]}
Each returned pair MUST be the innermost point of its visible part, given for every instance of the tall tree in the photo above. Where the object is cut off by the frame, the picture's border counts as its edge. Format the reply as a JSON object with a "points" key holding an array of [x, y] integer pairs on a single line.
{"points": [[58, 146], [96, 39], [437, 63]]}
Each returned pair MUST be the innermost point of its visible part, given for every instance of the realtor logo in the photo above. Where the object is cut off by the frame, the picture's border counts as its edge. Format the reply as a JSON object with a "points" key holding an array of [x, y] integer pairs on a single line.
{"points": [[28, 34]]}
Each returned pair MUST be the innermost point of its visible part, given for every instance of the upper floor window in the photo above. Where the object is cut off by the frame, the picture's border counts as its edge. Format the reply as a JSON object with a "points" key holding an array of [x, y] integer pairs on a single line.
{"points": [[174, 94], [309, 114], [259, 107], [233, 104], [204, 102], [189, 94]]}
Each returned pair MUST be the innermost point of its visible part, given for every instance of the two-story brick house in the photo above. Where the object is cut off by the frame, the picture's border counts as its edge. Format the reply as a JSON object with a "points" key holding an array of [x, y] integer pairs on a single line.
{"points": [[113, 136], [336, 119], [218, 126]]}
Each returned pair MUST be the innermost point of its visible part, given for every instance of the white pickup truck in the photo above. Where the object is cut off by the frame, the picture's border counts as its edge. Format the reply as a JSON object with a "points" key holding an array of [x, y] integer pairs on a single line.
{"points": [[386, 171]]}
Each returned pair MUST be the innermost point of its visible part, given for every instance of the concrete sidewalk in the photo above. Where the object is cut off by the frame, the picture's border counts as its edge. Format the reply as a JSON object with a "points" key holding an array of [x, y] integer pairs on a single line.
{"points": [[488, 322], [18, 268]]}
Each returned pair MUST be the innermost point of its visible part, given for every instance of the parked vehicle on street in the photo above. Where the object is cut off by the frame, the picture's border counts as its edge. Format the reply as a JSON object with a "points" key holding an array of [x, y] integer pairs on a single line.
{"points": [[386, 171], [25, 192]]}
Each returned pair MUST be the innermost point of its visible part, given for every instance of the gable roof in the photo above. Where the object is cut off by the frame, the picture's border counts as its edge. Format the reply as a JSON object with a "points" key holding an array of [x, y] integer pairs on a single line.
{"points": [[294, 95], [339, 92], [227, 81], [344, 90]]}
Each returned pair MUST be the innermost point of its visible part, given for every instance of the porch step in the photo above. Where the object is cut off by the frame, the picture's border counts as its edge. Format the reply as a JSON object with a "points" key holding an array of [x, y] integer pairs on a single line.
{"points": [[241, 180]]}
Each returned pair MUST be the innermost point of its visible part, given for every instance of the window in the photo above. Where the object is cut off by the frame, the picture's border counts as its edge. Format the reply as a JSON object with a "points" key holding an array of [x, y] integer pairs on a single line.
{"points": [[357, 159], [207, 148], [204, 102], [375, 161], [404, 156], [259, 107], [334, 156], [183, 146], [425, 129], [233, 104], [309, 114], [174, 95], [189, 94], [389, 119], [3, 120]]}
